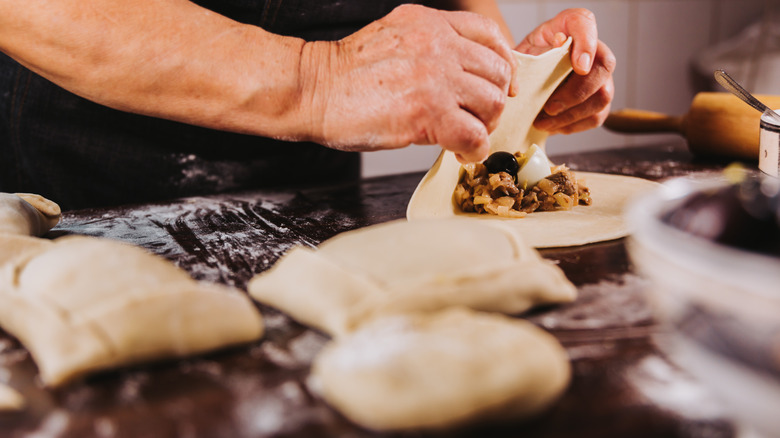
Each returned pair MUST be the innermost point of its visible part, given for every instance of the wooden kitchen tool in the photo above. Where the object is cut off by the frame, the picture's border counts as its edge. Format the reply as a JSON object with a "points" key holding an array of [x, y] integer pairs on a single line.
{"points": [[717, 124]]}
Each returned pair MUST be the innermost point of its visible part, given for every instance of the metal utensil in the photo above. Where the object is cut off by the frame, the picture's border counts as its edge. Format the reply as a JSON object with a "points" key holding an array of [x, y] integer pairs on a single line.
{"points": [[732, 85]]}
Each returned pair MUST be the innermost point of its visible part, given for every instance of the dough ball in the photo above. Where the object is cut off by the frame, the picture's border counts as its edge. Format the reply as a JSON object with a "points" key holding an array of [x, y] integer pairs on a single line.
{"points": [[81, 304], [27, 214], [419, 266], [438, 370]]}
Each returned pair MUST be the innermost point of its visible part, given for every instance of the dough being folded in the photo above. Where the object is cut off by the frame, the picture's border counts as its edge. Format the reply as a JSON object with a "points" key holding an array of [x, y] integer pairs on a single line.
{"points": [[27, 214], [438, 370], [539, 76], [82, 304], [402, 266]]}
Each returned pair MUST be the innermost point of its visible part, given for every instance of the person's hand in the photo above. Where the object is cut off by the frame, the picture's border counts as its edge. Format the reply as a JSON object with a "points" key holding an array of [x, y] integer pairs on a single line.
{"points": [[582, 102], [418, 75]]}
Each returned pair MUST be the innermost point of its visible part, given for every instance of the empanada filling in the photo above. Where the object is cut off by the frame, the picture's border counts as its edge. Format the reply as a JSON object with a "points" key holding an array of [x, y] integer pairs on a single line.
{"points": [[483, 188]]}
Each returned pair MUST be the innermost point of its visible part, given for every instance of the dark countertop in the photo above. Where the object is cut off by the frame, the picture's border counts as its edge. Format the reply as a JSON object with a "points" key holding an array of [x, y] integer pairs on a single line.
{"points": [[622, 385]]}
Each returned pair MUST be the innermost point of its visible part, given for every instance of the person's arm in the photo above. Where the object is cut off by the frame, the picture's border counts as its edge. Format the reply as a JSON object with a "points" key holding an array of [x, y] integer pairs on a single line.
{"points": [[164, 58], [416, 76]]}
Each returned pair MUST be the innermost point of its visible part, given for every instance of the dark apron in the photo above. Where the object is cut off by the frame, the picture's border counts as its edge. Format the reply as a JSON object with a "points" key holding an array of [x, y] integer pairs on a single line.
{"points": [[81, 154]]}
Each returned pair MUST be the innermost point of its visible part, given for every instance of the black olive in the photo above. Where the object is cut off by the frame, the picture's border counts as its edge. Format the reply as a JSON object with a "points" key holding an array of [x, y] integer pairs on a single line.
{"points": [[502, 162]]}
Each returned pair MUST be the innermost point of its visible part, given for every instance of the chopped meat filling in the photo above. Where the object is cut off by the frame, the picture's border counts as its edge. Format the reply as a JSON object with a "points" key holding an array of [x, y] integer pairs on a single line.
{"points": [[497, 193]]}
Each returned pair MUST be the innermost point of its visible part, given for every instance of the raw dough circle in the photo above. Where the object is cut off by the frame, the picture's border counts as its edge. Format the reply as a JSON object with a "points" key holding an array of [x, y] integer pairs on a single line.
{"points": [[601, 221]]}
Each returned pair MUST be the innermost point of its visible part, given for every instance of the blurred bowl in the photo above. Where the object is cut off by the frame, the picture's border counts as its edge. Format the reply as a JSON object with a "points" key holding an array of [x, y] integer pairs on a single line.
{"points": [[720, 304]]}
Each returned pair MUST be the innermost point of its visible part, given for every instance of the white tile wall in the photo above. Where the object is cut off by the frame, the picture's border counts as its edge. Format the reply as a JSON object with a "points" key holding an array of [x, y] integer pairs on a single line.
{"points": [[653, 40], [614, 18], [668, 32]]}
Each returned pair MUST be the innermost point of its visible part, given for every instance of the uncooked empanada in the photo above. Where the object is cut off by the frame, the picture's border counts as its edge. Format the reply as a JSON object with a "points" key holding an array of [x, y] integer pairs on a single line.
{"points": [[539, 76], [17, 247], [438, 370], [81, 304], [27, 214], [403, 266]]}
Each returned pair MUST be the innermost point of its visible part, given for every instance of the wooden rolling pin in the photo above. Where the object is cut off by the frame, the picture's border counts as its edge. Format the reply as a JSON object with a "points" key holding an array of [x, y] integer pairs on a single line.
{"points": [[717, 124]]}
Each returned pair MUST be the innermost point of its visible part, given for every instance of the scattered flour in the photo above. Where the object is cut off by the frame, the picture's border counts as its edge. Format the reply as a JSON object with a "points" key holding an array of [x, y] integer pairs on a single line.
{"points": [[55, 423]]}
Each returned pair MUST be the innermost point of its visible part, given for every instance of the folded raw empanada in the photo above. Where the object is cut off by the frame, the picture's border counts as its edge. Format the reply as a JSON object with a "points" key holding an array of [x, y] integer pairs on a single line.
{"points": [[27, 214], [401, 266], [81, 304]]}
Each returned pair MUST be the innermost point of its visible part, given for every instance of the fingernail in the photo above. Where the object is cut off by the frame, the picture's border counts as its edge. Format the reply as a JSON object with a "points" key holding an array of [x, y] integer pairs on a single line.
{"points": [[560, 38], [584, 62]]}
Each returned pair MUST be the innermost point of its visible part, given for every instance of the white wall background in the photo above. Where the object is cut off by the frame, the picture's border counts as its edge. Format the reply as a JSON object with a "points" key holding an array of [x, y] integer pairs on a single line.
{"points": [[654, 42]]}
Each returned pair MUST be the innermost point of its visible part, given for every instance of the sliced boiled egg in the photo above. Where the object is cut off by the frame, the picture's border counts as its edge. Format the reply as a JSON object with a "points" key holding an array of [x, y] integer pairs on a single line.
{"points": [[535, 167]]}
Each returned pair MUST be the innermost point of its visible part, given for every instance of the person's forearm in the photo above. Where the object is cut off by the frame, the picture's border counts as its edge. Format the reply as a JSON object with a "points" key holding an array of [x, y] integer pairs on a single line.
{"points": [[488, 8], [417, 75], [163, 58]]}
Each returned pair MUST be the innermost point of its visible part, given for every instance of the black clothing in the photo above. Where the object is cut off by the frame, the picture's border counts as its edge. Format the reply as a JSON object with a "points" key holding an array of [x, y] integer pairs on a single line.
{"points": [[81, 154]]}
